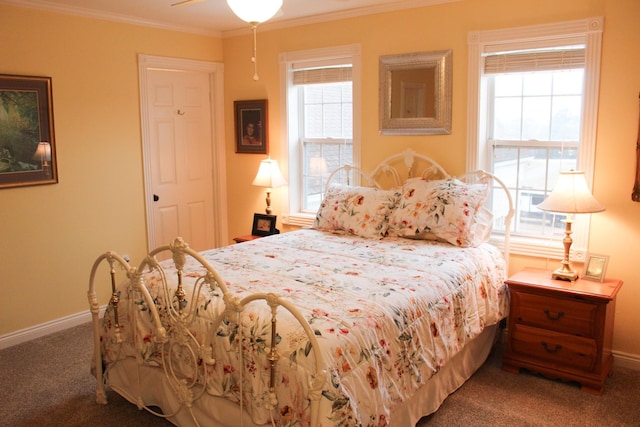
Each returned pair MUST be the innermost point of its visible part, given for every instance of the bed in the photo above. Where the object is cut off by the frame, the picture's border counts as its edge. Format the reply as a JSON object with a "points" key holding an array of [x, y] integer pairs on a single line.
{"points": [[371, 317]]}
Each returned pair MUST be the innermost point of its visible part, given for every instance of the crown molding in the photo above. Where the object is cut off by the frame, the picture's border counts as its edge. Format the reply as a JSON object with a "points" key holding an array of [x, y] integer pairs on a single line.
{"points": [[335, 16], [108, 16], [267, 26]]}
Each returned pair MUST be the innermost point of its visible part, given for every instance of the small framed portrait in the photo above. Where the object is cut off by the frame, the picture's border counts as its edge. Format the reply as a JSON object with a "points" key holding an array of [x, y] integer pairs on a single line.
{"points": [[264, 225], [595, 267], [251, 126]]}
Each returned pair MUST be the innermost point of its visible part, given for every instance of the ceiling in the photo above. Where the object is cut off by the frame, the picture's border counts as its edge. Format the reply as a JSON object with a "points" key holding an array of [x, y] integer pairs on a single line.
{"points": [[213, 17]]}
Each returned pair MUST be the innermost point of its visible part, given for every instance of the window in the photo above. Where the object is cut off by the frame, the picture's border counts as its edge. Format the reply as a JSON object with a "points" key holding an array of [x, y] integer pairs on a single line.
{"points": [[321, 109], [532, 98]]}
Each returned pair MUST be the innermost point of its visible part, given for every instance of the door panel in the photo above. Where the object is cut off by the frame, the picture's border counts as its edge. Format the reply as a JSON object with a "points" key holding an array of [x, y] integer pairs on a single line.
{"points": [[167, 223], [165, 150], [197, 221], [181, 157]]}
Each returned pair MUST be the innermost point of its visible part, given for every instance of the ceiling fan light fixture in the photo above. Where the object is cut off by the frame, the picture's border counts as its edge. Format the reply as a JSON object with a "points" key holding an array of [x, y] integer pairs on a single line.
{"points": [[255, 11]]}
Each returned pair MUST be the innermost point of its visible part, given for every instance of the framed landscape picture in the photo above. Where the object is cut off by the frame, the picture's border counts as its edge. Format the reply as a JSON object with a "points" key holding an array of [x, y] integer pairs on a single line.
{"points": [[27, 140]]}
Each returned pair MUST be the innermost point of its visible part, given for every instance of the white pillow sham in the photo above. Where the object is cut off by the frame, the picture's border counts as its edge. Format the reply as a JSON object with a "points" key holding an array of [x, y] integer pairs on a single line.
{"points": [[362, 211], [448, 210]]}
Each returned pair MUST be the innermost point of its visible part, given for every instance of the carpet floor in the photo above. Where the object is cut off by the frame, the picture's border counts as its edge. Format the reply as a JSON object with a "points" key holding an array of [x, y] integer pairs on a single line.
{"points": [[46, 382]]}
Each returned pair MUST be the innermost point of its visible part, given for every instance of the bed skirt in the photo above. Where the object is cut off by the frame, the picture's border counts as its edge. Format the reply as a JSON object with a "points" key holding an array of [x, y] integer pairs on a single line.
{"points": [[212, 410]]}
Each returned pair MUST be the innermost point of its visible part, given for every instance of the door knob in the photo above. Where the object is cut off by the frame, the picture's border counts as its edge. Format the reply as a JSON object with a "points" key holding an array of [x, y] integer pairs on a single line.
{"points": [[155, 198]]}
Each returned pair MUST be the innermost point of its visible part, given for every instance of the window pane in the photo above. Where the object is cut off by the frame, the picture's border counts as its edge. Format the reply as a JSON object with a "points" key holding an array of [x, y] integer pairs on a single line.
{"points": [[347, 92], [313, 94], [320, 159], [313, 121], [568, 82], [504, 160], [332, 120], [536, 118], [530, 174], [508, 118], [536, 84], [328, 110], [508, 85], [347, 120], [331, 93], [565, 119]]}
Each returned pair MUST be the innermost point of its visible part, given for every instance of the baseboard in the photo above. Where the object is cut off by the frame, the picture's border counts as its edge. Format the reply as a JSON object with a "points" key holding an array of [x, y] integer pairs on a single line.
{"points": [[626, 360], [37, 331]]}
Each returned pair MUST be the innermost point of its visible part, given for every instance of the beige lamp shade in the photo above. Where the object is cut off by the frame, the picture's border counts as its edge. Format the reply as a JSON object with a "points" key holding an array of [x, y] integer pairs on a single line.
{"points": [[269, 175], [255, 11], [571, 195]]}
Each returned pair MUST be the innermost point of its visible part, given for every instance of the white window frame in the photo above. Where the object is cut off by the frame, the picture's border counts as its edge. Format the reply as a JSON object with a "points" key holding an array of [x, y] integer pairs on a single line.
{"points": [[585, 31], [289, 118]]}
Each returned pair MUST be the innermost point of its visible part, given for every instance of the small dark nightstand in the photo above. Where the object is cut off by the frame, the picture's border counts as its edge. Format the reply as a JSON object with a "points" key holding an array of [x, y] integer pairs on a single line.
{"points": [[561, 329], [246, 238]]}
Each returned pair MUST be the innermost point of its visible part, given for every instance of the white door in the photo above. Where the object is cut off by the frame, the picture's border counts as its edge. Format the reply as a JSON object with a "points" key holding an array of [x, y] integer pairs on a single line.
{"points": [[179, 157]]}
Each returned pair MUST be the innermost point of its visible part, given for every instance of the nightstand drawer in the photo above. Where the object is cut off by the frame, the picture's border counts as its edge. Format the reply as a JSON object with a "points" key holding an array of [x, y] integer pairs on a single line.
{"points": [[555, 314], [572, 351]]}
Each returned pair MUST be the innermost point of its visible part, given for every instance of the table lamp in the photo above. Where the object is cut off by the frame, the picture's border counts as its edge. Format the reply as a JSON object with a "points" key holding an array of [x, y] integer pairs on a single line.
{"points": [[269, 176], [571, 195]]}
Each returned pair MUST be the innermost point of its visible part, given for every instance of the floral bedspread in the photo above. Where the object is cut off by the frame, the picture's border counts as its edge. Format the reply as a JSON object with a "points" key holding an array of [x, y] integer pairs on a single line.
{"points": [[387, 313]]}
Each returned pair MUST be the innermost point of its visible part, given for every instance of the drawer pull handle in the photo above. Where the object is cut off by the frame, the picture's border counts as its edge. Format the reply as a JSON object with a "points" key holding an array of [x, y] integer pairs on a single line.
{"points": [[557, 348], [550, 317]]}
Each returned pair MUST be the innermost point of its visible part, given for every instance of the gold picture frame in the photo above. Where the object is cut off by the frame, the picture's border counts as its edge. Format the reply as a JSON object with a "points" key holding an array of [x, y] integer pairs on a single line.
{"points": [[595, 267]]}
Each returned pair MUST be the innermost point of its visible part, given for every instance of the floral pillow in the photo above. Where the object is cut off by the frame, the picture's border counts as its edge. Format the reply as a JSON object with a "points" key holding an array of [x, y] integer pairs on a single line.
{"points": [[447, 210], [362, 211]]}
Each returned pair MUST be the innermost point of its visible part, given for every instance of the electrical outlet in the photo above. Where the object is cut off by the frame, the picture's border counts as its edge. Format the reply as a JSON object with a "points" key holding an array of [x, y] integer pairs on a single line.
{"points": [[126, 258]]}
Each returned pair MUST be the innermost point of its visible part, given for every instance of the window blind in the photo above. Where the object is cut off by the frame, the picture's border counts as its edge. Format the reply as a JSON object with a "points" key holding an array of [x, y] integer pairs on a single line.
{"points": [[322, 75], [518, 62]]}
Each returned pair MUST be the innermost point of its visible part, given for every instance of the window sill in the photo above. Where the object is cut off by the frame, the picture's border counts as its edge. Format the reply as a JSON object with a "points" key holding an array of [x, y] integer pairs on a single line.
{"points": [[299, 219], [550, 248]]}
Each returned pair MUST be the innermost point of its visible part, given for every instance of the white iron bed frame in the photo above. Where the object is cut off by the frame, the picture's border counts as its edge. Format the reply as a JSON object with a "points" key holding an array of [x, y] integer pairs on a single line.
{"points": [[189, 404]]}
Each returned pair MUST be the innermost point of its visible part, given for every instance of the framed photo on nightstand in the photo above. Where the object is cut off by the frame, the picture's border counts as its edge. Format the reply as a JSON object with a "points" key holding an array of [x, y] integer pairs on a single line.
{"points": [[595, 267], [263, 225]]}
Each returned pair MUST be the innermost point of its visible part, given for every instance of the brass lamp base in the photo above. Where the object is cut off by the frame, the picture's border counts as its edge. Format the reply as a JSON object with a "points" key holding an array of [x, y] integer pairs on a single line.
{"points": [[563, 273], [268, 200]]}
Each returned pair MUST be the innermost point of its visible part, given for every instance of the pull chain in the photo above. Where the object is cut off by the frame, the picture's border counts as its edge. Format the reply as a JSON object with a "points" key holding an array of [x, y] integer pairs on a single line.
{"points": [[254, 58]]}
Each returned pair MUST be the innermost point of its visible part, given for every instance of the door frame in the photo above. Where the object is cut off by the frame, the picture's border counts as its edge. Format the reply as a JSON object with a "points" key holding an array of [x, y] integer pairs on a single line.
{"points": [[219, 175]]}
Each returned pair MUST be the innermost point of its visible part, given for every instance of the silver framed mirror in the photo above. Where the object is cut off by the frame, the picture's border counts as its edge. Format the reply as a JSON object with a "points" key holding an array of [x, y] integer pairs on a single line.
{"points": [[415, 93]]}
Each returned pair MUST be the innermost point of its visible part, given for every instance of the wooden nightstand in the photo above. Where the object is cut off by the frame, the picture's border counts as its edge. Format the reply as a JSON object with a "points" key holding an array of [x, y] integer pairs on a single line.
{"points": [[561, 329], [246, 238]]}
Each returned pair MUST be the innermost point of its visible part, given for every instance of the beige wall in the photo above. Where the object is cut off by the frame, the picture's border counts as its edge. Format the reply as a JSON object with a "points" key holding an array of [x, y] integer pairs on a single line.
{"points": [[50, 235], [98, 204]]}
